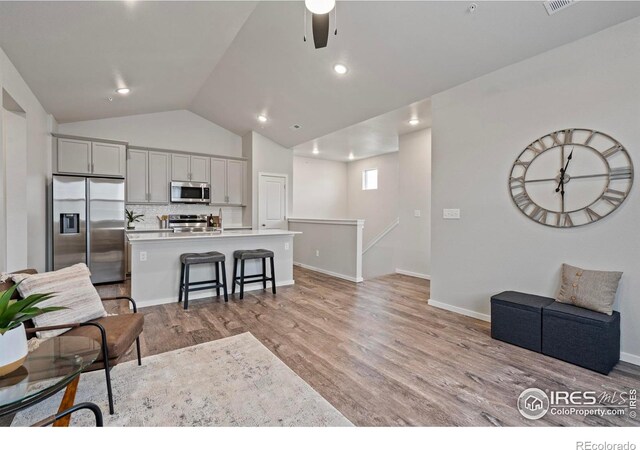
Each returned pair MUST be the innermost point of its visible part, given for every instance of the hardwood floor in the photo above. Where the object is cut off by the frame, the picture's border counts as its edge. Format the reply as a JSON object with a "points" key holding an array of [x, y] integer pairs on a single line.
{"points": [[381, 355]]}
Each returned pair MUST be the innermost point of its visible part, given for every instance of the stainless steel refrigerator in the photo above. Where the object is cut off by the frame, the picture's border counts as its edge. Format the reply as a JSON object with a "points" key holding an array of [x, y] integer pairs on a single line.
{"points": [[87, 225]]}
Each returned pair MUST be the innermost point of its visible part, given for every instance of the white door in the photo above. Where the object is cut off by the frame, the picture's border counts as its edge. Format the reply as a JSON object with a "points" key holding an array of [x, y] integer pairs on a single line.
{"points": [[180, 167], [199, 169], [235, 182], [272, 198], [137, 176], [74, 156], [108, 159], [218, 181], [159, 177]]}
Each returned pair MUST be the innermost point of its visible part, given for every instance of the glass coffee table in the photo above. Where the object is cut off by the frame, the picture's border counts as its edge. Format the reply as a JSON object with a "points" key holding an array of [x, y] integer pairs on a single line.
{"points": [[54, 365]]}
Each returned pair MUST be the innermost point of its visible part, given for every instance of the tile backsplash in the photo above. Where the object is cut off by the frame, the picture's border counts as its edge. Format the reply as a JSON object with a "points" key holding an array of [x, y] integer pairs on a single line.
{"points": [[231, 215]]}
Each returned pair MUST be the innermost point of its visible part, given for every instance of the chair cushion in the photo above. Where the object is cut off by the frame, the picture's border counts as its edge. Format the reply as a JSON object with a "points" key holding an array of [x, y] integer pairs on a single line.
{"points": [[122, 330], [201, 258], [73, 290], [591, 289], [582, 315], [520, 300], [6, 281], [253, 254]]}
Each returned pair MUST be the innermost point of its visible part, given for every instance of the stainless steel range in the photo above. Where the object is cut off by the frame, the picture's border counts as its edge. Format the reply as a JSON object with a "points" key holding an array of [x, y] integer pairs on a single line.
{"points": [[190, 223]]}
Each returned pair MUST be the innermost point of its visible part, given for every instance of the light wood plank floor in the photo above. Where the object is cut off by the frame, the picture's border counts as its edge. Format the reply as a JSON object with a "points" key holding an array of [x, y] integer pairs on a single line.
{"points": [[380, 354]]}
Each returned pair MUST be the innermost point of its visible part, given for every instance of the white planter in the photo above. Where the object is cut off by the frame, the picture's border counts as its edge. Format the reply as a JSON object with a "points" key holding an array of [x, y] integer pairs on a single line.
{"points": [[14, 349]]}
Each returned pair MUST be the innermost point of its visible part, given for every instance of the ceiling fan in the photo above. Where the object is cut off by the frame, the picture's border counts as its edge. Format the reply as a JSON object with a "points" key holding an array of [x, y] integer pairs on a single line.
{"points": [[320, 10]]}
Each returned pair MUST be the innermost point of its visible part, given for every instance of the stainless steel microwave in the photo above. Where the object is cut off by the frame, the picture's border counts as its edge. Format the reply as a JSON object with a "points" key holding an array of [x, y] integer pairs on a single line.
{"points": [[187, 192]]}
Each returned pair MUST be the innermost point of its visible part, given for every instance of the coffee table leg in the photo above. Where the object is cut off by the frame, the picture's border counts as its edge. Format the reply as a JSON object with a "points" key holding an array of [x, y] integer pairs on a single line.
{"points": [[67, 402]]}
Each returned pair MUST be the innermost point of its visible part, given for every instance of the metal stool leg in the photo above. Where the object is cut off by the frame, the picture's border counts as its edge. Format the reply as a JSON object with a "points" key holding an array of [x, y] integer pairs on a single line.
{"points": [[264, 273], [181, 282], [218, 278], [186, 286], [224, 282], [241, 279], [235, 276], [273, 276]]}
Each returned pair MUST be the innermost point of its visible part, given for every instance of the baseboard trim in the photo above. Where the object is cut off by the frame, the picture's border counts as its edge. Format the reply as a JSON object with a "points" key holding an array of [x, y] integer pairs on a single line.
{"points": [[630, 358], [209, 294], [408, 273], [330, 273], [463, 311]]}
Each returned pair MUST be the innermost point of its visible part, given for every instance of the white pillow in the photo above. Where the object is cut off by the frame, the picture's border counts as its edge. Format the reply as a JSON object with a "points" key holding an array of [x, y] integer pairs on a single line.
{"points": [[72, 288]]}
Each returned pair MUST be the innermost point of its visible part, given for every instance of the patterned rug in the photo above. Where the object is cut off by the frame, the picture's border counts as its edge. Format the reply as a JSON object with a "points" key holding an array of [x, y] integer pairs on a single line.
{"points": [[235, 381]]}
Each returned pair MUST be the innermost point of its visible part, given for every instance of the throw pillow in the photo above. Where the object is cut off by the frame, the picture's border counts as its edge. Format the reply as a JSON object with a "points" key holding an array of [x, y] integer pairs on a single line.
{"points": [[589, 289], [73, 289]]}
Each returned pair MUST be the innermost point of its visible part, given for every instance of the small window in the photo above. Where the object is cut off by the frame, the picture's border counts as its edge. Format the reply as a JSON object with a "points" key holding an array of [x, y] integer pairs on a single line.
{"points": [[370, 179]]}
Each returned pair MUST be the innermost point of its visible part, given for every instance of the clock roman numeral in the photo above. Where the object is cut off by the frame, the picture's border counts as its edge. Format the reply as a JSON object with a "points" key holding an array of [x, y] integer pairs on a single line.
{"points": [[613, 196], [538, 214], [593, 133], [554, 136], [516, 183], [522, 200], [621, 173], [612, 151], [564, 220], [568, 136], [524, 164], [593, 216]]}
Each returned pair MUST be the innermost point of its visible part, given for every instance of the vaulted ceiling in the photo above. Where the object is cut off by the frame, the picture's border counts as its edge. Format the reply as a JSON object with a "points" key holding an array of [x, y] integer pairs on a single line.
{"points": [[230, 61]]}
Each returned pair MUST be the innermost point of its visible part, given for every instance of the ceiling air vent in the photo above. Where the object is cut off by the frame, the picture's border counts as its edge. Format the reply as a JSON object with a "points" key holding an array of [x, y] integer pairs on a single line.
{"points": [[554, 6]]}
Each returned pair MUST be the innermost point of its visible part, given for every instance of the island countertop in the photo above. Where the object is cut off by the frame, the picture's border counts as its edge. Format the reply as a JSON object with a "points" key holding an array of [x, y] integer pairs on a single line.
{"points": [[134, 237]]}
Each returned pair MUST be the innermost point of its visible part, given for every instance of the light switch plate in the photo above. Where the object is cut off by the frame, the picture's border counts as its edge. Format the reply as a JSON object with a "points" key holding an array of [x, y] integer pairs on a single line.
{"points": [[450, 213], [417, 213], [286, 246], [143, 256]]}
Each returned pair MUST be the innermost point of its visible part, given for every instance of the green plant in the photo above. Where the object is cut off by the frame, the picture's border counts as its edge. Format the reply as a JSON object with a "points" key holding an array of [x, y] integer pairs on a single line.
{"points": [[14, 312], [132, 217]]}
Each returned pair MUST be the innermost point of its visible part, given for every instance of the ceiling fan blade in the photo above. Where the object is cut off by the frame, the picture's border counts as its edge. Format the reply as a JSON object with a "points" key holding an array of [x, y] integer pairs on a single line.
{"points": [[320, 27]]}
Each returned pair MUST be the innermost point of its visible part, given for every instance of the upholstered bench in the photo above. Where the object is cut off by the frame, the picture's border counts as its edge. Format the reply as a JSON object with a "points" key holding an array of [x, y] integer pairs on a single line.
{"points": [[582, 337], [516, 318]]}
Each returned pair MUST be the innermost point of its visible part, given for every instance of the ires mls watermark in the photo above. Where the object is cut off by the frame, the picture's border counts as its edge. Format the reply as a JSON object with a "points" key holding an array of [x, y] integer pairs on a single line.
{"points": [[588, 445], [535, 403]]}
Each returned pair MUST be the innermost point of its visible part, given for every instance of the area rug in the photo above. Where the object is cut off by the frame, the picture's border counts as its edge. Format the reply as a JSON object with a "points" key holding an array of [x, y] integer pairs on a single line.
{"points": [[234, 381]]}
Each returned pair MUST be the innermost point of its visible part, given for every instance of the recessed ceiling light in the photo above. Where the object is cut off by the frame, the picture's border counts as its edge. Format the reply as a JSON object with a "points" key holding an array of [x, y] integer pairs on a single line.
{"points": [[351, 156], [123, 91], [414, 122], [262, 118], [315, 151], [340, 69]]}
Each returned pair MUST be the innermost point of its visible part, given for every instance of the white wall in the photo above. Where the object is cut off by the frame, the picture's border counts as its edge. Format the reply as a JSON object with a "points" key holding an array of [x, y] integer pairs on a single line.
{"points": [[39, 126], [480, 127], [319, 188], [173, 130], [413, 255], [268, 157]]}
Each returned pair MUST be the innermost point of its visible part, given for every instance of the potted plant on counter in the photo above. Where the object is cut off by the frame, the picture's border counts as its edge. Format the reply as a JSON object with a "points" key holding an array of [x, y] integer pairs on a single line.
{"points": [[132, 218], [13, 338]]}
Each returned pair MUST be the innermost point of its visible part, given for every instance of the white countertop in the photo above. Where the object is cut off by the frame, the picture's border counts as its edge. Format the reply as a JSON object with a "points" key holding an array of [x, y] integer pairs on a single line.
{"points": [[169, 235], [169, 230]]}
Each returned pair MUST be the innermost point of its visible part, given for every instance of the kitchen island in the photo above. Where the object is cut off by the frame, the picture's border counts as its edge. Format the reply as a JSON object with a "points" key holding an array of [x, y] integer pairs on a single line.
{"points": [[155, 260]]}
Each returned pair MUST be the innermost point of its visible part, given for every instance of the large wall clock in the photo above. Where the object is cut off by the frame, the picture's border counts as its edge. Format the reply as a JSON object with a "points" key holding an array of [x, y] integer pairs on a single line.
{"points": [[571, 177]]}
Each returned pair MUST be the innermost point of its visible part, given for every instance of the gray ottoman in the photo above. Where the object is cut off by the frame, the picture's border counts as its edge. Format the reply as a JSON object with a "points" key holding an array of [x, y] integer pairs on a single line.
{"points": [[582, 337], [516, 318]]}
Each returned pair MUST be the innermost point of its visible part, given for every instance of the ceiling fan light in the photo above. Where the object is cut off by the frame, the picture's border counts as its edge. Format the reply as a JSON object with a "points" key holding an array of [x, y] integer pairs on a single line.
{"points": [[320, 6]]}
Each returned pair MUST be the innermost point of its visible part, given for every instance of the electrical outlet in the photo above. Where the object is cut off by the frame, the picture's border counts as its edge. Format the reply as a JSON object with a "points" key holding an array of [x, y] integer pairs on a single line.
{"points": [[286, 246], [143, 256], [317, 252], [450, 213], [417, 213]]}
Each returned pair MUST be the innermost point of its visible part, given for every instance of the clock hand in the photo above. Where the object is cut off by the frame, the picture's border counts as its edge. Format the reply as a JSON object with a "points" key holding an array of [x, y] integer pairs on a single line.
{"points": [[563, 171]]}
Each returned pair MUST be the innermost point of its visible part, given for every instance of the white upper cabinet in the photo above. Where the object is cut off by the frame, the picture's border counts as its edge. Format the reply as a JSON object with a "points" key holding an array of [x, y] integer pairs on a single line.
{"points": [[108, 159], [199, 169], [74, 156], [180, 167], [159, 175], [227, 181], [235, 182], [218, 180], [189, 168], [137, 183], [91, 158]]}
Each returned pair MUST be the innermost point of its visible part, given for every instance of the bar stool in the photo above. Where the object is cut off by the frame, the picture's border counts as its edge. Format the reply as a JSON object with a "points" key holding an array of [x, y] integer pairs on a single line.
{"points": [[187, 260], [244, 255]]}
